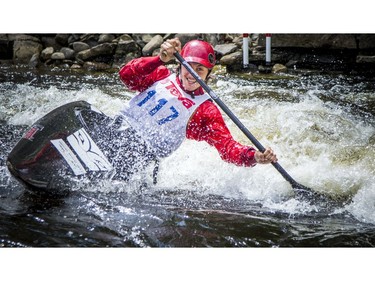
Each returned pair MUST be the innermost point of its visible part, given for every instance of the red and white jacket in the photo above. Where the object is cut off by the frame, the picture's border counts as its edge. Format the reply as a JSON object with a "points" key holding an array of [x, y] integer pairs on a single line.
{"points": [[206, 124]]}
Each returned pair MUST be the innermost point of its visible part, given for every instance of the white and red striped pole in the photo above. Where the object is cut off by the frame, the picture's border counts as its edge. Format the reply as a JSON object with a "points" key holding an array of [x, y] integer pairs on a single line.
{"points": [[268, 48], [245, 50]]}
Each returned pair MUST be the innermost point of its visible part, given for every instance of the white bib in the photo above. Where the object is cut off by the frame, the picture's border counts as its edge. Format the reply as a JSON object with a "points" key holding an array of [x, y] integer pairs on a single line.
{"points": [[161, 114]]}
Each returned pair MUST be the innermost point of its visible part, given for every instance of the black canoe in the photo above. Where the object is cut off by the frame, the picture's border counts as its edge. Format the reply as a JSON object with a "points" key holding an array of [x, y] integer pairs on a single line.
{"points": [[76, 143]]}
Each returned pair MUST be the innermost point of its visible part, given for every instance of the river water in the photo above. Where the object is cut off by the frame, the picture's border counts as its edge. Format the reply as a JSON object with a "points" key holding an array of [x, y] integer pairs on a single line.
{"points": [[321, 126]]}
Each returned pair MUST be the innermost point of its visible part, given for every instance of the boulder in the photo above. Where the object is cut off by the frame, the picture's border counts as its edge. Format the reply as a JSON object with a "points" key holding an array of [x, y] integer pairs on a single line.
{"points": [[23, 51], [47, 53], [155, 43]]}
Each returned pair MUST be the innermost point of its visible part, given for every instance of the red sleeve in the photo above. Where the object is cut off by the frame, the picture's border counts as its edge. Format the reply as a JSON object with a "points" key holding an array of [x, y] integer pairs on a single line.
{"points": [[140, 73], [207, 124]]}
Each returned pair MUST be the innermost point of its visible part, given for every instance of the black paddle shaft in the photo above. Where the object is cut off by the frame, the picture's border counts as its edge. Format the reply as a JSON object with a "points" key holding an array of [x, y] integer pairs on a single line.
{"points": [[239, 124]]}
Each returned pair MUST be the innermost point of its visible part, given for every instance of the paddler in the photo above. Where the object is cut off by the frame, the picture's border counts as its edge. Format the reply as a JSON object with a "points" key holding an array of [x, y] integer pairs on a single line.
{"points": [[173, 106]]}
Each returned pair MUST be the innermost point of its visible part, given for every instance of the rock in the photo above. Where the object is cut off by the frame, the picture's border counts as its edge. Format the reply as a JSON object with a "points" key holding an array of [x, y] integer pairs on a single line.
{"points": [[211, 38], [365, 59], [34, 61], [75, 66], [325, 41], [257, 57], [264, 69], [155, 43], [23, 37], [127, 45], [105, 49], [126, 49], [105, 38], [225, 49], [239, 41], [64, 65], [146, 38], [279, 68], [233, 58], [96, 66], [185, 37], [73, 38], [46, 53], [49, 41], [62, 39], [141, 39], [68, 53], [365, 41], [80, 46], [342, 52], [291, 63], [90, 39], [125, 37], [58, 56], [24, 50]]}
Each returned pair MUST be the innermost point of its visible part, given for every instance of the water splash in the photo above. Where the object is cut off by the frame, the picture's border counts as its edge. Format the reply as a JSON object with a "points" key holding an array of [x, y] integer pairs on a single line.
{"points": [[322, 143]]}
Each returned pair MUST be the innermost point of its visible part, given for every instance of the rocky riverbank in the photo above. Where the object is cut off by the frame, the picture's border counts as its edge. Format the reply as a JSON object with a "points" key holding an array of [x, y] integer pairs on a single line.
{"points": [[351, 53]]}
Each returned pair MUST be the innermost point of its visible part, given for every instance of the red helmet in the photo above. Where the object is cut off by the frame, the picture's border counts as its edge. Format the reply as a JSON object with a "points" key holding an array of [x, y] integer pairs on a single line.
{"points": [[200, 52]]}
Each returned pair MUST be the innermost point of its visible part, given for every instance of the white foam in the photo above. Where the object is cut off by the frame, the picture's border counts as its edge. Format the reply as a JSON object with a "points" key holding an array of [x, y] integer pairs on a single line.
{"points": [[319, 144], [32, 103]]}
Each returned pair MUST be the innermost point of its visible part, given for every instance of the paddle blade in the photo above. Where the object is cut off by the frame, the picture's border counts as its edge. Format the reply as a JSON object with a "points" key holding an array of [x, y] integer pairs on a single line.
{"points": [[304, 193]]}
